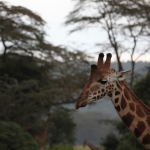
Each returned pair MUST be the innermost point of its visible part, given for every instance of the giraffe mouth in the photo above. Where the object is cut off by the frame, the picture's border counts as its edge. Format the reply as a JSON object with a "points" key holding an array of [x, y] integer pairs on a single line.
{"points": [[82, 105]]}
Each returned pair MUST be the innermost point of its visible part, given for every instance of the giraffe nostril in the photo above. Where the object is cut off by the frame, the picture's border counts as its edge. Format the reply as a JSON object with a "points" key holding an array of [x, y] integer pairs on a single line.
{"points": [[83, 104]]}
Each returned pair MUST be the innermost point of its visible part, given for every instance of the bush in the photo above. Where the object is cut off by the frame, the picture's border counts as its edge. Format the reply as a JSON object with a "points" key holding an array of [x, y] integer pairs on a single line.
{"points": [[13, 138], [62, 147], [110, 142]]}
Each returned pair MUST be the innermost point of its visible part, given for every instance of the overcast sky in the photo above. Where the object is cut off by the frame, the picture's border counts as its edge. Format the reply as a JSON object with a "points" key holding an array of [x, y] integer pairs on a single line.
{"points": [[54, 12]]}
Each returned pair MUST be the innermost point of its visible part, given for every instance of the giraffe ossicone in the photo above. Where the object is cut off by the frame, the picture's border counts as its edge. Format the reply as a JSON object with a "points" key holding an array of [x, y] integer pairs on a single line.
{"points": [[101, 81], [104, 81]]}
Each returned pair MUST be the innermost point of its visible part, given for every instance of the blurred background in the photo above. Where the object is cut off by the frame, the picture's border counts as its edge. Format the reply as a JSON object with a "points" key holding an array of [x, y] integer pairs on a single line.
{"points": [[46, 49]]}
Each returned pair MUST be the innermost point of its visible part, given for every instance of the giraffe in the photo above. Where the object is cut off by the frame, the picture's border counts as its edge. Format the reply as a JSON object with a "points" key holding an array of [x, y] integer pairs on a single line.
{"points": [[91, 146], [106, 81]]}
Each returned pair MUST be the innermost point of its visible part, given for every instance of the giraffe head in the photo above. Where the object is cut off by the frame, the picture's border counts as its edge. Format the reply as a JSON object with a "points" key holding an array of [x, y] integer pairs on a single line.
{"points": [[102, 81]]}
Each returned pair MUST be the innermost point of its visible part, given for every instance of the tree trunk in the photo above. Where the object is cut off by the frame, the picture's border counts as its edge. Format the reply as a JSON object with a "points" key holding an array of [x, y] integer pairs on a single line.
{"points": [[5, 50], [4, 55], [120, 68], [132, 74]]}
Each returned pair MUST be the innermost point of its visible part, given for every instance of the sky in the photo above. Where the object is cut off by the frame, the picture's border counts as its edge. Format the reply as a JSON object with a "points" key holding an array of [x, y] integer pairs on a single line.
{"points": [[54, 12]]}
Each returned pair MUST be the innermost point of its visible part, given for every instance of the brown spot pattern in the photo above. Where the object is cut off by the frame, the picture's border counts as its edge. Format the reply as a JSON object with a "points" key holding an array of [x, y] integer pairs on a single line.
{"points": [[146, 139], [94, 97], [103, 90], [109, 94], [132, 106], [107, 87], [116, 100], [87, 92], [119, 86], [117, 108], [126, 93], [94, 93], [98, 97], [117, 93], [140, 129], [123, 103], [128, 119], [139, 112], [148, 121]]}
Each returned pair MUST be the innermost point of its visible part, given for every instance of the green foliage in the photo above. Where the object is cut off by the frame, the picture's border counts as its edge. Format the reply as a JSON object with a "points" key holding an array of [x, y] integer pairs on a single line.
{"points": [[142, 89], [125, 140], [33, 87], [121, 127], [23, 67], [110, 142], [129, 142], [22, 32], [18, 29], [25, 97], [61, 127], [35, 94], [62, 147], [13, 138]]}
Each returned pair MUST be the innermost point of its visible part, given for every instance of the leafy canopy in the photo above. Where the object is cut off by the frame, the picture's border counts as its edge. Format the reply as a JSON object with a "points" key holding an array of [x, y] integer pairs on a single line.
{"points": [[12, 137]]}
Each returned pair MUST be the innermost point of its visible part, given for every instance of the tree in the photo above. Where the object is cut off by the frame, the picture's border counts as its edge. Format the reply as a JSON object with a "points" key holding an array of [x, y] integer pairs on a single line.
{"points": [[23, 67], [35, 90], [18, 29], [12, 137], [22, 31], [63, 147], [142, 89], [62, 127], [110, 142], [123, 22], [35, 86], [122, 140], [127, 140]]}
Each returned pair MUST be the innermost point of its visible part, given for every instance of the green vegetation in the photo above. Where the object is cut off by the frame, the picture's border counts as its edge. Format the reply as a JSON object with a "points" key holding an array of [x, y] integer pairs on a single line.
{"points": [[12, 137], [110, 142], [62, 147], [142, 89], [61, 127], [78, 147], [37, 79]]}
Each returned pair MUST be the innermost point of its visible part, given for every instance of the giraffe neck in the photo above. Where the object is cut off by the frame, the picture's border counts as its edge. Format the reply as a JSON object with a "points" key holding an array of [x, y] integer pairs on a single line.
{"points": [[133, 112], [91, 146]]}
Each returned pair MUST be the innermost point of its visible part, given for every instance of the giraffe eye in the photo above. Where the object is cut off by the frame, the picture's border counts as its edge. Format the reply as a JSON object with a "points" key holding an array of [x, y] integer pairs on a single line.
{"points": [[102, 81]]}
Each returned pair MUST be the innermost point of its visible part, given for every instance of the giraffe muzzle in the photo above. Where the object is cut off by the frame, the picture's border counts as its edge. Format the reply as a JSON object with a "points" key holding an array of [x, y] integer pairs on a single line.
{"points": [[78, 105], [83, 104]]}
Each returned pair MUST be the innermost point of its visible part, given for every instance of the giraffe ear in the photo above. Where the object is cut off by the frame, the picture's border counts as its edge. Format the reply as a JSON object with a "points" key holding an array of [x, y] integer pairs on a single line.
{"points": [[123, 74]]}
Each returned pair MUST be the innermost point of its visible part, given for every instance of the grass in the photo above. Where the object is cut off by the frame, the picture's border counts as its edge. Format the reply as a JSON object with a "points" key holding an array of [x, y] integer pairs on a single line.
{"points": [[78, 147]]}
